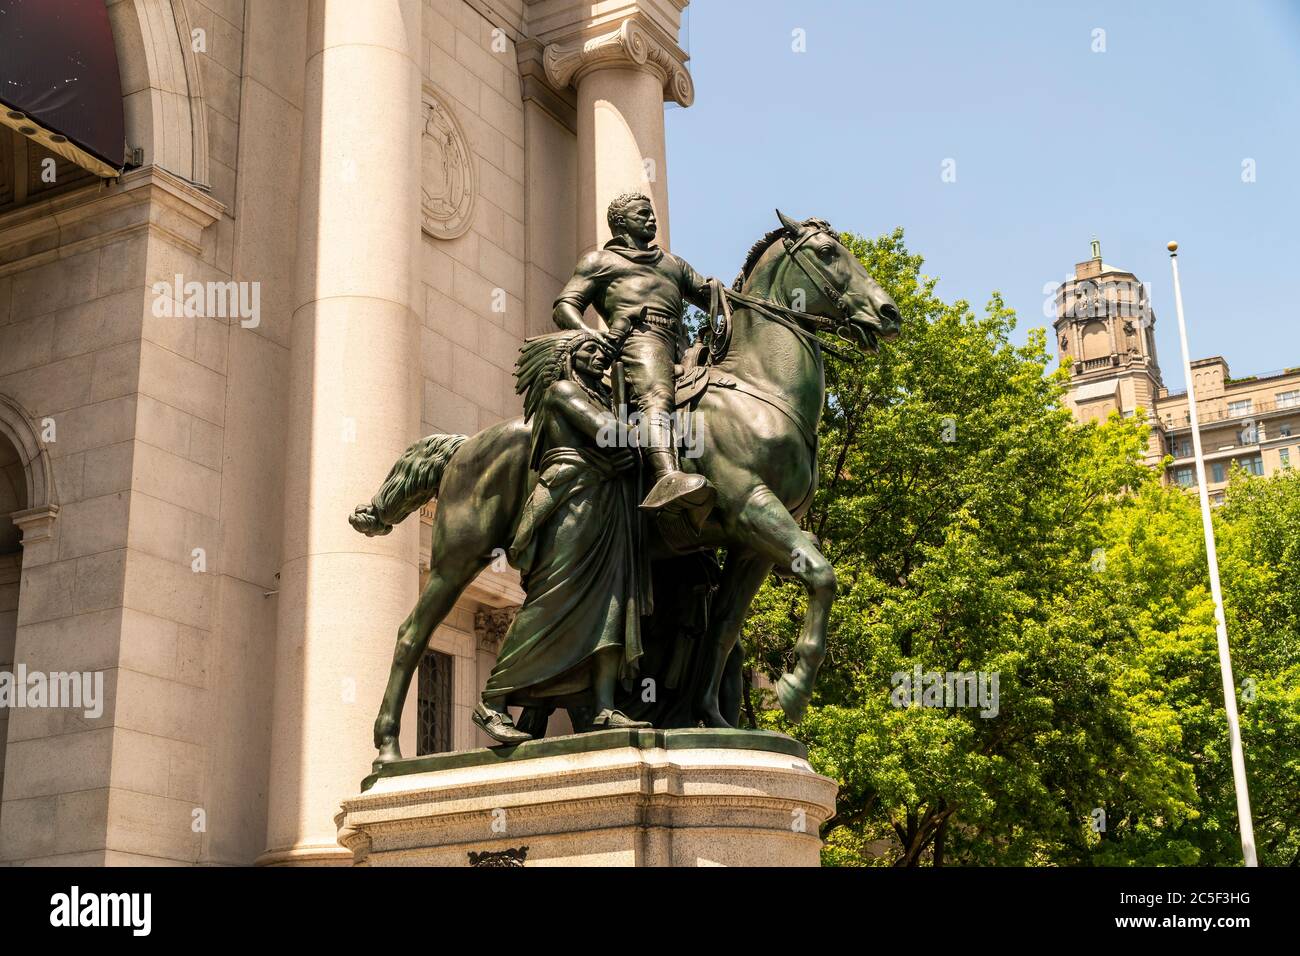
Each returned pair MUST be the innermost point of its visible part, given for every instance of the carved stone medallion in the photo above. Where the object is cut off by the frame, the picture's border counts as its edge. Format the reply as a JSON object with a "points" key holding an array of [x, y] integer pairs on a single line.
{"points": [[447, 178]]}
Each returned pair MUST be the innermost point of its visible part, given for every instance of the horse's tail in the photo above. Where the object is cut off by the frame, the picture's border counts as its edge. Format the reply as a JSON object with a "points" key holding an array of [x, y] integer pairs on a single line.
{"points": [[411, 482]]}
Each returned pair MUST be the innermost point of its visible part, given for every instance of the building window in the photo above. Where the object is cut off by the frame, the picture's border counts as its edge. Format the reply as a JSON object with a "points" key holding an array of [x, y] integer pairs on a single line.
{"points": [[1253, 465], [1284, 430], [1242, 407], [1284, 456], [1217, 471], [1185, 477], [1216, 498], [1287, 399], [433, 706]]}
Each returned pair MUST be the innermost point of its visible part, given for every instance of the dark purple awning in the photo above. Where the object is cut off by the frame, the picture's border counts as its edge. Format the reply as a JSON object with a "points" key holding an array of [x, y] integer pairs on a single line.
{"points": [[58, 68]]}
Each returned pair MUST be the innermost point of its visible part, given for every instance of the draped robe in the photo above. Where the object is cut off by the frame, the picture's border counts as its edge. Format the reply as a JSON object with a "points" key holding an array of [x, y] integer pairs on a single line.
{"points": [[576, 549]]}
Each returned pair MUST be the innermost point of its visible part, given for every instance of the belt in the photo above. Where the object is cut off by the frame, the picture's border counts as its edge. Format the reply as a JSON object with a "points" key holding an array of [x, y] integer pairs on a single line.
{"points": [[660, 319], [644, 318]]}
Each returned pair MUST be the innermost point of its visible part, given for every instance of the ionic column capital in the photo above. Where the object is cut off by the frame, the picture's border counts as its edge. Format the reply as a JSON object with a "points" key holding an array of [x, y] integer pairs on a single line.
{"points": [[634, 44]]}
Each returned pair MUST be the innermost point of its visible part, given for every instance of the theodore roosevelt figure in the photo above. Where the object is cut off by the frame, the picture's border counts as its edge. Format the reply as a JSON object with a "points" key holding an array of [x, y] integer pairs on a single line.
{"points": [[638, 289]]}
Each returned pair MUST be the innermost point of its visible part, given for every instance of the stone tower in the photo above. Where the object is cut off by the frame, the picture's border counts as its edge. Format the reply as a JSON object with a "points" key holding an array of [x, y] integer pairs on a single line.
{"points": [[1105, 333]]}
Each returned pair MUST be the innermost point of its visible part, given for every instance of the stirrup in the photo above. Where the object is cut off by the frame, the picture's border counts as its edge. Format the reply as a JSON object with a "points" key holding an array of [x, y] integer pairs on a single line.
{"points": [[680, 491]]}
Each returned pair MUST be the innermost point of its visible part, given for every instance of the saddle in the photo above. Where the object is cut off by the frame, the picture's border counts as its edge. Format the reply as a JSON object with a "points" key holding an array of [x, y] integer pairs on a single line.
{"points": [[699, 370], [696, 373], [693, 375], [696, 370]]}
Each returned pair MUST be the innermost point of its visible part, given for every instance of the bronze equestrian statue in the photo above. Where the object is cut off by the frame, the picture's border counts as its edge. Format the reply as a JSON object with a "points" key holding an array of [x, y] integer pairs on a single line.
{"points": [[755, 399]]}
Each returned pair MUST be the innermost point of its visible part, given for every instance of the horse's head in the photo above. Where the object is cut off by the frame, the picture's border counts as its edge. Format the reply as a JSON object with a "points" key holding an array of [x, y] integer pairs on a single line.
{"points": [[814, 274]]}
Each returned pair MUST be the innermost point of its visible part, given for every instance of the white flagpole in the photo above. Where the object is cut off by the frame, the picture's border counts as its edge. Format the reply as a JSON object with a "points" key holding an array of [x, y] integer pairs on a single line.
{"points": [[1244, 821]]}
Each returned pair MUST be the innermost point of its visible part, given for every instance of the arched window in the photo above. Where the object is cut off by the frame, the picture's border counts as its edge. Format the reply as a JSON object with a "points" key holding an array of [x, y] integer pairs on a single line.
{"points": [[1096, 341], [13, 499], [27, 510]]}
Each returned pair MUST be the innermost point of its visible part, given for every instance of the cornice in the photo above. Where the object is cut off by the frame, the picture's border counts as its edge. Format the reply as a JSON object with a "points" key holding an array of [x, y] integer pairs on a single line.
{"points": [[637, 43], [536, 88], [149, 198]]}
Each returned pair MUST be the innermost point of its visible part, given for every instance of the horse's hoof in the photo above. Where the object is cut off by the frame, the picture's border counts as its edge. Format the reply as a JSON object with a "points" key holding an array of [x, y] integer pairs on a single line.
{"points": [[388, 750], [793, 699]]}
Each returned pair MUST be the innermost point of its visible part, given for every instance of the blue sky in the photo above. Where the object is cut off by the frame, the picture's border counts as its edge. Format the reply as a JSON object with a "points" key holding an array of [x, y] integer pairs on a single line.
{"points": [[1053, 144]]}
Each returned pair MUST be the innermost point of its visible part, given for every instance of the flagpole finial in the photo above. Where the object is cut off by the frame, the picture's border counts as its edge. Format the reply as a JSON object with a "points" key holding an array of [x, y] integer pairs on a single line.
{"points": [[1173, 247]]}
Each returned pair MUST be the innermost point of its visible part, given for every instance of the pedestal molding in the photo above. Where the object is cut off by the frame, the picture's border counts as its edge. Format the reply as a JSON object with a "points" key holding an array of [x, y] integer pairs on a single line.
{"points": [[643, 798]]}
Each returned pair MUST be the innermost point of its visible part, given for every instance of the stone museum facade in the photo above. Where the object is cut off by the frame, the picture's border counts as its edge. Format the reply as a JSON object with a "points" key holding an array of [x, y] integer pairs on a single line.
{"points": [[1105, 331], [331, 227]]}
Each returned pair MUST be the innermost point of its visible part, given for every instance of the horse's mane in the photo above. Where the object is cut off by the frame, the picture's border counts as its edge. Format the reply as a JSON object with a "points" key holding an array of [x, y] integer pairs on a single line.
{"points": [[757, 249], [755, 253]]}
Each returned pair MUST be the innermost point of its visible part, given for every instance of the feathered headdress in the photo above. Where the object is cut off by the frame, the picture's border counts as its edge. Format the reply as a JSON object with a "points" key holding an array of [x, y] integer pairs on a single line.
{"points": [[543, 361]]}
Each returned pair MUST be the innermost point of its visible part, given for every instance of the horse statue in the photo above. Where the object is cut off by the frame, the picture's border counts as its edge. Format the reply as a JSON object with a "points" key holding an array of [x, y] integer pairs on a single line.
{"points": [[755, 400]]}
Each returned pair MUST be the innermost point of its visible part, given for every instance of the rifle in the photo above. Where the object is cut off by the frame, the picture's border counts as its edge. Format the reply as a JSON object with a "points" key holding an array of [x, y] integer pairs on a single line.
{"points": [[618, 386]]}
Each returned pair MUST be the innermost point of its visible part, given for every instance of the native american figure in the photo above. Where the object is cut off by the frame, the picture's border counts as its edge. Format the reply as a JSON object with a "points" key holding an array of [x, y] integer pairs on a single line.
{"points": [[578, 632]]}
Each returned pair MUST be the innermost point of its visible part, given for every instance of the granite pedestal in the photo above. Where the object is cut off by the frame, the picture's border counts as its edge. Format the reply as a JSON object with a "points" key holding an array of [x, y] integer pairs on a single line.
{"points": [[689, 797]]}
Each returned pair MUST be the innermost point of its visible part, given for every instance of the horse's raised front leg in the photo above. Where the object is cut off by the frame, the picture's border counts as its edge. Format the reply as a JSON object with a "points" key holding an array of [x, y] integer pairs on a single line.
{"points": [[742, 576], [440, 593], [765, 526]]}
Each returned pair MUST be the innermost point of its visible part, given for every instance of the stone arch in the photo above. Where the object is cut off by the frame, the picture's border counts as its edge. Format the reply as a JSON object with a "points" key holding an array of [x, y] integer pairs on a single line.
{"points": [[17, 426], [13, 500], [162, 90], [27, 499]]}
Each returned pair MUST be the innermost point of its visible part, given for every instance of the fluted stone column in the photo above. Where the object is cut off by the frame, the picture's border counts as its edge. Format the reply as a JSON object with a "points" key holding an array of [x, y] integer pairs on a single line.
{"points": [[354, 406], [622, 77]]}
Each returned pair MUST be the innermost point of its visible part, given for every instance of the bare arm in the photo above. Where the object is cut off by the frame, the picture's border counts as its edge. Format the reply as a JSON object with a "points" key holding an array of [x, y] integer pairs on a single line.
{"points": [[598, 423], [568, 400]]}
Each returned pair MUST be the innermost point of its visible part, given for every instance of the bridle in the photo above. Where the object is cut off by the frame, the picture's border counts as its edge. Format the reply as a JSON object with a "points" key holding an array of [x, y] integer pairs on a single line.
{"points": [[823, 279], [801, 255]]}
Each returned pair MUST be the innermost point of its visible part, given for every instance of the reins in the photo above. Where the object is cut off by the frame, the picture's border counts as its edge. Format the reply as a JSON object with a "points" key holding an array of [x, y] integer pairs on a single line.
{"points": [[720, 299]]}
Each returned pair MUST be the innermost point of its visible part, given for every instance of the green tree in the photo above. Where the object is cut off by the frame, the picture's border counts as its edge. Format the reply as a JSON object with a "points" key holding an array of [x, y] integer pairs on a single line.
{"points": [[1258, 537], [1158, 569], [974, 526]]}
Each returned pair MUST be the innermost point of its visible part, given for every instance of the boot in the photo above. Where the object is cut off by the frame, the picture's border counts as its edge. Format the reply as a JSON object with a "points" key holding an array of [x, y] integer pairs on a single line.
{"points": [[674, 489]]}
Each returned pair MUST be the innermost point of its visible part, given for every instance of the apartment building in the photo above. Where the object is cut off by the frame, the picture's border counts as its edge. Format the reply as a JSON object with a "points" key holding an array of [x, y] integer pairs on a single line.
{"points": [[1105, 332]]}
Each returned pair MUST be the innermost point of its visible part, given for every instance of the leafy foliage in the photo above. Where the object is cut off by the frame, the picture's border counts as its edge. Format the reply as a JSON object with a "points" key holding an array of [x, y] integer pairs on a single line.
{"points": [[974, 526]]}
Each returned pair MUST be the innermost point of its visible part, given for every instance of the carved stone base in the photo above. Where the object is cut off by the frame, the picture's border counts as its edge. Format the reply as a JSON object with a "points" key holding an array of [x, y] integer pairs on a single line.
{"points": [[611, 798]]}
